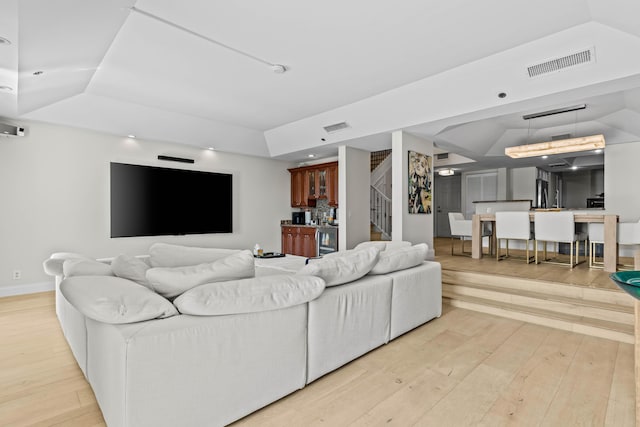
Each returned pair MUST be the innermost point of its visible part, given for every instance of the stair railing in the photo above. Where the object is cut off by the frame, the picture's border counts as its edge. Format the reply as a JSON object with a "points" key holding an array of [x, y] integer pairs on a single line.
{"points": [[381, 212]]}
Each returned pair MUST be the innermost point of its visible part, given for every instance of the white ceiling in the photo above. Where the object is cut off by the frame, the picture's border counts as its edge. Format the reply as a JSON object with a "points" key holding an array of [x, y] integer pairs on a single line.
{"points": [[432, 68]]}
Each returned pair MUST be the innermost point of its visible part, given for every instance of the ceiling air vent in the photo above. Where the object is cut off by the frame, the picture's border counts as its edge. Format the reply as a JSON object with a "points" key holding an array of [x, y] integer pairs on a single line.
{"points": [[442, 156], [561, 164], [558, 64], [336, 127]]}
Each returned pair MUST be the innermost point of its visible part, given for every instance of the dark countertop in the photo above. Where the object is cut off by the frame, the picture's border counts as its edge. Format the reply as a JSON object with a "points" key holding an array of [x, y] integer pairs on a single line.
{"points": [[503, 201]]}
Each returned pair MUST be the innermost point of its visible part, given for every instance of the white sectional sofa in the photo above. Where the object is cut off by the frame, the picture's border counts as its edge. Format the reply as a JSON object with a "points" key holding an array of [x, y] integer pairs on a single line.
{"points": [[197, 370]]}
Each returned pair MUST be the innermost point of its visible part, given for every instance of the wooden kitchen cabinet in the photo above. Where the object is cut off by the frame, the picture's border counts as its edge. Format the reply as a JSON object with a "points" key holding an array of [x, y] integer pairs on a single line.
{"points": [[332, 184], [298, 195], [310, 183], [298, 240]]}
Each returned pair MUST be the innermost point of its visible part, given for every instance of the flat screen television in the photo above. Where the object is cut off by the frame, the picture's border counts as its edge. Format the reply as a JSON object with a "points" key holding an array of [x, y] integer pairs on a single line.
{"points": [[155, 201]]}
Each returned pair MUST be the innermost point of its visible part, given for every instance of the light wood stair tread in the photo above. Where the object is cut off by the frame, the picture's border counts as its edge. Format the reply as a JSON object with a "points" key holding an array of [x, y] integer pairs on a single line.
{"points": [[548, 297], [603, 324]]}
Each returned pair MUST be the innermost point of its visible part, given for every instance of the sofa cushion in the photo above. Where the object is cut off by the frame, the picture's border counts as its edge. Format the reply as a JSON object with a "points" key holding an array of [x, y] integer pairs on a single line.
{"points": [[400, 258], [345, 268], [85, 267], [171, 282], [115, 300], [53, 265], [168, 255], [383, 245], [249, 295], [132, 268]]}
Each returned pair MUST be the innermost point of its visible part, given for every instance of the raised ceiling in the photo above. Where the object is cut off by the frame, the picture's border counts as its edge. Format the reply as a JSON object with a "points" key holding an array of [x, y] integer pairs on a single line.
{"points": [[432, 68]]}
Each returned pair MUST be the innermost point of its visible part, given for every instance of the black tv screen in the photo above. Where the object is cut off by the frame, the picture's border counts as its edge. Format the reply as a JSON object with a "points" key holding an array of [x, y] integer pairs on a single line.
{"points": [[154, 201]]}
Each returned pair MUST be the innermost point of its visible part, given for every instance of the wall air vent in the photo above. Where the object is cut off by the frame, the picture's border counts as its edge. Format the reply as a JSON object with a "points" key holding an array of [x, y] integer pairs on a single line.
{"points": [[442, 156], [336, 127], [558, 64]]}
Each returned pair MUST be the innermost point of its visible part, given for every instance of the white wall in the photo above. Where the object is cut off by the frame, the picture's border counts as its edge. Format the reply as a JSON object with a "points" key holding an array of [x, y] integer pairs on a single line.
{"points": [[523, 183], [54, 185], [621, 193], [415, 228], [354, 175]]}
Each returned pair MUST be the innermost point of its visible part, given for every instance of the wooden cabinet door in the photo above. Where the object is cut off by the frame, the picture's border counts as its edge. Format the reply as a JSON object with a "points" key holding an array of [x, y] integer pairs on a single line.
{"points": [[298, 195], [332, 184], [307, 239], [321, 182], [288, 239]]}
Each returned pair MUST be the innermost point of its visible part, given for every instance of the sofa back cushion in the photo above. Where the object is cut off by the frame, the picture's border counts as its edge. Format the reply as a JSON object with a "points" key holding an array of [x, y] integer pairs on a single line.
{"points": [[249, 295], [383, 245], [171, 282], [132, 268], [85, 267], [115, 300], [400, 258], [343, 268], [168, 255]]}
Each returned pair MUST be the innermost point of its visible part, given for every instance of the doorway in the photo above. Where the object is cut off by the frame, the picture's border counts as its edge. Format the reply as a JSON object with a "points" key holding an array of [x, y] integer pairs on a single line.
{"points": [[448, 197]]}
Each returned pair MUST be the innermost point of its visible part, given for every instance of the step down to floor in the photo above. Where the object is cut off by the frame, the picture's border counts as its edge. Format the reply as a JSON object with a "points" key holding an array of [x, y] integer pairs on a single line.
{"points": [[598, 312]]}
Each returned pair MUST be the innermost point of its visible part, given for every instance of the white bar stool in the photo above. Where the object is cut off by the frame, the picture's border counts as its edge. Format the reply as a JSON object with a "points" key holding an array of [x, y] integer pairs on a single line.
{"points": [[558, 227], [513, 226]]}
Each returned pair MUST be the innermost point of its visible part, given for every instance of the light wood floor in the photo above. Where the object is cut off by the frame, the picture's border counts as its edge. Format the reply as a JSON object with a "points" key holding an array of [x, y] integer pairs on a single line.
{"points": [[463, 369], [581, 275]]}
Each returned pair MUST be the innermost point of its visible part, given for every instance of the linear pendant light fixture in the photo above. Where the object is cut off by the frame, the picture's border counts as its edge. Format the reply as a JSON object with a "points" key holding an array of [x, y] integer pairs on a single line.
{"points": [[561, 146], [558, 146]]}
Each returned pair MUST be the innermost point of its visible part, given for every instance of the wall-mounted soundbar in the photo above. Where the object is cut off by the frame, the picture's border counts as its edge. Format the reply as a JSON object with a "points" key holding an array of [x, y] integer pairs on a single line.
{"points": [[176, 159]]}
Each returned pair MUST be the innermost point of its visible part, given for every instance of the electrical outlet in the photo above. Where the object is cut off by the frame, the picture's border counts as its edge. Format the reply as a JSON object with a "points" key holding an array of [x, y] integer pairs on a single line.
{"points": [[17, 274]]}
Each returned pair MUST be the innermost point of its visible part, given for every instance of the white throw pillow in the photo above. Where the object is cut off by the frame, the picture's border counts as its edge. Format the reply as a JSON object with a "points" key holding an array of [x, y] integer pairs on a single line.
{"points": [[337, 270], [249, 295], [168, 255], [132, 268], [400, 258], [85, 267], [115, 300], [171, 282]]}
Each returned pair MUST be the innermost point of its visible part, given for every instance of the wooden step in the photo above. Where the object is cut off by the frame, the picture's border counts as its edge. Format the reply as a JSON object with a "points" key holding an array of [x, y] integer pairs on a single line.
{"points": [[561, 304], [603, 313], [540, 286], [598, 328]]}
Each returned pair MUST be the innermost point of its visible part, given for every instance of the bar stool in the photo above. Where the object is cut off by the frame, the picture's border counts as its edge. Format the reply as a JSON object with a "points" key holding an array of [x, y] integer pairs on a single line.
{"points": [[461, 228], [513, 226], [558, 227], [628, 233]]}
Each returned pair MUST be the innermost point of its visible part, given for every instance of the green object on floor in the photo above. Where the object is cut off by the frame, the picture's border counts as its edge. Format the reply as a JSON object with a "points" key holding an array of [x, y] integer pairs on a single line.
{"points": [[628, 281]]}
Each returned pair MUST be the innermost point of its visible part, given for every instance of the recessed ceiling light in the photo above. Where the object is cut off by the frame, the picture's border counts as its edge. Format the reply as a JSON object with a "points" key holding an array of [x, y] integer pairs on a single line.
{"points": [[545, 157], [38, 73], [131, 136], [4, 41], [311, 156], [574, 167], [502, 95], [210, 148], [598, 151], [6, 89]]}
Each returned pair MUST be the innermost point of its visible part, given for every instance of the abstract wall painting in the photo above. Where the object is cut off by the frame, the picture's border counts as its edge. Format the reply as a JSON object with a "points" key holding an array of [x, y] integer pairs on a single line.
{"points": [[419, 183]]}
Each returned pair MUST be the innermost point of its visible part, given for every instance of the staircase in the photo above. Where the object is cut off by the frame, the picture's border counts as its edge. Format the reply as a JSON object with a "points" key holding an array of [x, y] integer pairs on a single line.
{"points": [[598, 312], [380, 203]]}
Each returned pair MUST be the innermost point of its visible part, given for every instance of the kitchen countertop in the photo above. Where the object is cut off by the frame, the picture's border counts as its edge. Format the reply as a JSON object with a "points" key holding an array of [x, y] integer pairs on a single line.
{"points": [[308, 226]]}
